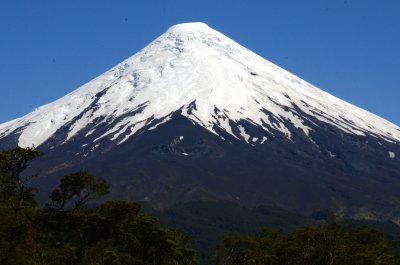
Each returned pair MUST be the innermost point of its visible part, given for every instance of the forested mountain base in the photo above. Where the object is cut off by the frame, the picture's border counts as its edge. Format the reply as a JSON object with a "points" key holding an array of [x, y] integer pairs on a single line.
{"points": [[70, 230]]}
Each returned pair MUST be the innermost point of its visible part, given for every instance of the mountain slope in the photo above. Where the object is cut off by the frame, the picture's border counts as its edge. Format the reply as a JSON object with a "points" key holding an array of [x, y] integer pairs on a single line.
{"points": [[194, 115]]}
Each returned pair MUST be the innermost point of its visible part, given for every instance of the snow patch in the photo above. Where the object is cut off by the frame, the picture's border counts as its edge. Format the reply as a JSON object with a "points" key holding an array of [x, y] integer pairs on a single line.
{"points": [[264, 139], [90, 132], [243, 133], [331, 155]]}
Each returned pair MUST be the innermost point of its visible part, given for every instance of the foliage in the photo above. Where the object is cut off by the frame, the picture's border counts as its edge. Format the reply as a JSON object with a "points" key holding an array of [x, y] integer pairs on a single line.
{"points": [[77, 189], [14, 190], [17, 203], [67, 231], [331, 243]]}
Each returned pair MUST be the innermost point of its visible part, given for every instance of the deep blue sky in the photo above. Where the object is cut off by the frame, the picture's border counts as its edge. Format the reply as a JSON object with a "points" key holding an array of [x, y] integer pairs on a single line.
{"points": [[349, 48]]}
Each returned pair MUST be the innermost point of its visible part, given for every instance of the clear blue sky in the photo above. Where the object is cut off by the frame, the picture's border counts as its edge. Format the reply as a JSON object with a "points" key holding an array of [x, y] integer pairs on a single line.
{"points": [[349, 48]]}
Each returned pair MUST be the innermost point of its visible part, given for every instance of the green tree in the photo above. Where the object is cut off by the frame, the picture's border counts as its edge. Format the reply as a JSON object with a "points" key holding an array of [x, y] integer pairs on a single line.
{"points": [[77, 189], [18, 207], [15, 191]]}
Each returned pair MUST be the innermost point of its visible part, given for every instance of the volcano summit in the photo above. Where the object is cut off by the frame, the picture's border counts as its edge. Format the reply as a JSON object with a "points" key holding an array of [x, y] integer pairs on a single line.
{"points": [[194, 115]]}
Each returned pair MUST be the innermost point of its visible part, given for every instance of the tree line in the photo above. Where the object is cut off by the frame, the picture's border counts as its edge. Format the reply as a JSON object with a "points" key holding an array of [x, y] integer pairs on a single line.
{"points": [[69, 230]]}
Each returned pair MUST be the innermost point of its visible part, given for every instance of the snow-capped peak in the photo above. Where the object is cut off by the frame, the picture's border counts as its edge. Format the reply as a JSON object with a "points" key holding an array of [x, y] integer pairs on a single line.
{"points": [[190, 27], [211, 80]]}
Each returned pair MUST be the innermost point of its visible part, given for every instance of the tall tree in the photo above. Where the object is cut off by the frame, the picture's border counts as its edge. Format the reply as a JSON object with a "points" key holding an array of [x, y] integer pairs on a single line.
{"points": [[18, 207], [14, 185]]}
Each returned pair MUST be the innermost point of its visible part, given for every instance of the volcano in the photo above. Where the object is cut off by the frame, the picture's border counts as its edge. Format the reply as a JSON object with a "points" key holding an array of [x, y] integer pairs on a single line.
{"points": [[196, 116]]}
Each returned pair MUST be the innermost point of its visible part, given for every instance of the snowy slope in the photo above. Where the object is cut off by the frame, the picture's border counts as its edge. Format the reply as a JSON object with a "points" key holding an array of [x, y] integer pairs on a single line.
{"points": [[212, 80]]}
